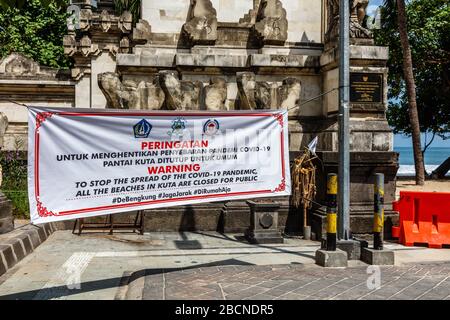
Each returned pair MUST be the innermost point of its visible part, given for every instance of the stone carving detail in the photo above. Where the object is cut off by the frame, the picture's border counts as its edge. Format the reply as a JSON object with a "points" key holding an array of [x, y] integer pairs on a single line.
{"points": [[95, 25], [332, 20], [246, 84], [18, 65], [216, 94], [261, 95], [125, 23], [202, 24], [142, 33], [124, 45], [87, 47], [105, 21], [252, 95], [85, 19], [357, 14], [271, 23], [130, 94], [289, 93], [70, 44], [180, 95], [113, 89]]}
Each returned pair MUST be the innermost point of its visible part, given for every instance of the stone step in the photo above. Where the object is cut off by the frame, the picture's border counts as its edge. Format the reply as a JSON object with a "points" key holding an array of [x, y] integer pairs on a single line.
{"points": [[17, 244]]}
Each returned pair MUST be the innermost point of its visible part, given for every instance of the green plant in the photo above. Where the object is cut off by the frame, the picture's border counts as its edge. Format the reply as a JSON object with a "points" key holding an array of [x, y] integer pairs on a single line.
{"points": [[6, 4], [36, 30], [15, 184]]}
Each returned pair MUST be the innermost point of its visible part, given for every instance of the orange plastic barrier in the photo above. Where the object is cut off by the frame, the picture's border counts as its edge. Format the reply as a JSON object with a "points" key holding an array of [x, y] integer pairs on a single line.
{"points": [[424, 218]]}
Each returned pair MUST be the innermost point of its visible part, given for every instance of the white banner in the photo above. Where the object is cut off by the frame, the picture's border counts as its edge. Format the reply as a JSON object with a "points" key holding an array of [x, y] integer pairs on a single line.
{"points": [[86, 162]]}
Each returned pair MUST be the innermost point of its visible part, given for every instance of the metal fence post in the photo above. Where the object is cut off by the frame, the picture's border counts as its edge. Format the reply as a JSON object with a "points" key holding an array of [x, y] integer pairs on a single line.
{"points": [[344, 115]]}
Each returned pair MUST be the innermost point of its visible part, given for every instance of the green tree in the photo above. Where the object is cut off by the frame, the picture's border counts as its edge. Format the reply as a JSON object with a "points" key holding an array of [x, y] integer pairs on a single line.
{"points": [[6, 4], [428, 34], [36, 30]]}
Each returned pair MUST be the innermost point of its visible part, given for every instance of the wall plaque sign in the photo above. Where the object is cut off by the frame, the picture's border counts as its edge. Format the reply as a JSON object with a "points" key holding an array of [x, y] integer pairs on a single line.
{"points": [[366, 87]]}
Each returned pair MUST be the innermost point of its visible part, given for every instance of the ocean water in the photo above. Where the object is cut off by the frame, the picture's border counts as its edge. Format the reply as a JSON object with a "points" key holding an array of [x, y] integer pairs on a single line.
{"points": [[434, 157]]}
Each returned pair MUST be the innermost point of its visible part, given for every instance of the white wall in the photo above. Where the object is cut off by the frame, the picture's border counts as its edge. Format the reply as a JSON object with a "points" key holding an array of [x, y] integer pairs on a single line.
{"points": [[165, 16], [304, 16], [304, 20], [232, 10]]}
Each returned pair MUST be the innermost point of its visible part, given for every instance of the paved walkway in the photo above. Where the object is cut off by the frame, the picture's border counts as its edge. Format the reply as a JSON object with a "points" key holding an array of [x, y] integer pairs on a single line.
{"points": [[213, 266], [295, 282]]}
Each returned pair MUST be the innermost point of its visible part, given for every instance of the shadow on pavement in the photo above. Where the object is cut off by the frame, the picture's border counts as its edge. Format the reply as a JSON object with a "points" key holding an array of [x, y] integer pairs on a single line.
{"points": [[91, 286], [275, 248]]}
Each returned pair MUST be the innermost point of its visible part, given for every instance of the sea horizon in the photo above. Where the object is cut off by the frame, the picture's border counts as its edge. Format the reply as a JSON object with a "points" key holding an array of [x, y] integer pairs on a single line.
{"points": [[434, 157]]}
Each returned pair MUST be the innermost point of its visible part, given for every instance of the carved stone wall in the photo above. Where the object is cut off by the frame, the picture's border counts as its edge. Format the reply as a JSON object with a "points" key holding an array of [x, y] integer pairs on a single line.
{"points": [[262, 95], [167, 91], [131, 94]]}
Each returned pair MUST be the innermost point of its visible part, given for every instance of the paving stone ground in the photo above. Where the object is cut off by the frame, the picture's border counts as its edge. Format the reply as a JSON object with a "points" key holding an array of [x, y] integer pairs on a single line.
{"points": [[208, 265], [297, 282]]}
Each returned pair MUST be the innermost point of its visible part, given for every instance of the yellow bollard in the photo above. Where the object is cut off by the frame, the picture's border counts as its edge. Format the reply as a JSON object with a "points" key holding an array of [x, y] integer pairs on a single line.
{"points": [[378, 217], [332, 185]]}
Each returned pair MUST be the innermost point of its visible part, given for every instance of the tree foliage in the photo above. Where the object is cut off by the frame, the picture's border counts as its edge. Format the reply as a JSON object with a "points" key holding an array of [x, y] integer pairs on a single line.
{"points": [[35, 30], [429, 36], [6, 4]]}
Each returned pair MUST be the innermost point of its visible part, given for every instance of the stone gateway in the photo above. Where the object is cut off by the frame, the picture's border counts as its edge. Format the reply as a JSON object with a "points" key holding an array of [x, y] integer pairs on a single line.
{"points": [[225, 55]]}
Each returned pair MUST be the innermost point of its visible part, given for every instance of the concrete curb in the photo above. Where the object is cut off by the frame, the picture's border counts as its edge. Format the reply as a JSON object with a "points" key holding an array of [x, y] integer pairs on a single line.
{"points": [[17, 244]]}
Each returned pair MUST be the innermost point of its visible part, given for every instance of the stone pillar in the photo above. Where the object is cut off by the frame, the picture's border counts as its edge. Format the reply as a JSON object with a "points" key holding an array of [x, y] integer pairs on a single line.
{"points": [[93, 44], [6, 217], [371, 138]]}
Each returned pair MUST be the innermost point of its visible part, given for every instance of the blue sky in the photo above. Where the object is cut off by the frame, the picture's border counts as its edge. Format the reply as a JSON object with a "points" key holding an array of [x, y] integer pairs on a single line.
{"points": [[373, 5]]}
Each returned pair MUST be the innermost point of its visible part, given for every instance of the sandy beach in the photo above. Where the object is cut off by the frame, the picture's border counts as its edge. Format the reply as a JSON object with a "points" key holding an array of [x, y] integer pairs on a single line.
{"points": [[430, 186]]}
